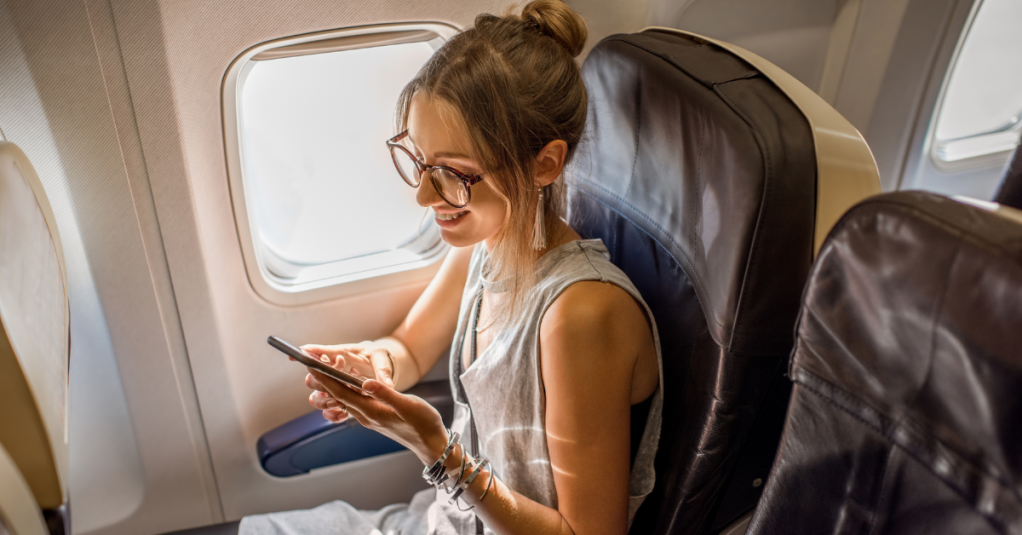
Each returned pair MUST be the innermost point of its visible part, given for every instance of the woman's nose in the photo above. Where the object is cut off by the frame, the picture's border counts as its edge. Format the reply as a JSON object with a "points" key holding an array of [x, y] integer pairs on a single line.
{"points": [[426, 194]]}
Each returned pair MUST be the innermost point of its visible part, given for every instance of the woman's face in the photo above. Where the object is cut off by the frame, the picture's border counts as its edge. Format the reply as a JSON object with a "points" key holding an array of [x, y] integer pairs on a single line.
{"points": [[439, 137]]}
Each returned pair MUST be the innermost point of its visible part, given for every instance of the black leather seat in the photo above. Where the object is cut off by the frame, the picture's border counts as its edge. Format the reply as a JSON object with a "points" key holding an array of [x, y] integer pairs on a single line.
{"points": [[907, 405], [1010, 191], [700, 175]]}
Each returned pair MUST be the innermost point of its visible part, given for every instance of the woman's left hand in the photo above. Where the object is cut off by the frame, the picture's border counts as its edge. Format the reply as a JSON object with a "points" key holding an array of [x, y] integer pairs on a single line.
{"points": [[408, 420]]}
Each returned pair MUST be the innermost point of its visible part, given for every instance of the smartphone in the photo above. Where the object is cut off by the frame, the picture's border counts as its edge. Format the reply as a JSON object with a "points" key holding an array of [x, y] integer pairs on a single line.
{"points": [[313, 362]]}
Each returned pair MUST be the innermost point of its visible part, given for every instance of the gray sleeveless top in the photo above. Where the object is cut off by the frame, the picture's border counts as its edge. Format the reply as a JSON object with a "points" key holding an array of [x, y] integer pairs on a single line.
{"points": [[503, 388]]}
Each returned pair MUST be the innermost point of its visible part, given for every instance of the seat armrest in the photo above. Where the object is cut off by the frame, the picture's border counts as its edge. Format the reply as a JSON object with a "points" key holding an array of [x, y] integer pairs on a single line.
{"points": [[310, 441]]}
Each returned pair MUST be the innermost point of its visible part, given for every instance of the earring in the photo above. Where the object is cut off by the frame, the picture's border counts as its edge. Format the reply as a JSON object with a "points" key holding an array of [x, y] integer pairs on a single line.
{"points": [[539, 230]]}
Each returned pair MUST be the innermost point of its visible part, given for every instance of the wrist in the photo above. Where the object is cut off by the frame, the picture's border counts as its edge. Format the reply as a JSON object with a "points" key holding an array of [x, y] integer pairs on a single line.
{"points": [[433, 446], [405, 368]]}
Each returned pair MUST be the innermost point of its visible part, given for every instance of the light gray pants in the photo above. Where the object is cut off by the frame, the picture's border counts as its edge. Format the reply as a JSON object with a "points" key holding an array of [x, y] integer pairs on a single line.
{"points": [[340, 518]]}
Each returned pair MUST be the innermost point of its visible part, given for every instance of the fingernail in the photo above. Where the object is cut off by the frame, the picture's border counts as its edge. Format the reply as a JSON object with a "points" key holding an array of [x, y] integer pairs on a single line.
{"points": [[324, 358], [370, 387]]}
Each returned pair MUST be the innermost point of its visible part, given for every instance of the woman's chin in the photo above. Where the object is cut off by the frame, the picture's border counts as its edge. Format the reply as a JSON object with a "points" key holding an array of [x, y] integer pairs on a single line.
{"points": [[456, 239]]}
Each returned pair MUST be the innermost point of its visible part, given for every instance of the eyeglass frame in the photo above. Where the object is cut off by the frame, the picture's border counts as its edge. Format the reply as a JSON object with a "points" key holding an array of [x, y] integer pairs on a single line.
{"points": [[466, 179]]}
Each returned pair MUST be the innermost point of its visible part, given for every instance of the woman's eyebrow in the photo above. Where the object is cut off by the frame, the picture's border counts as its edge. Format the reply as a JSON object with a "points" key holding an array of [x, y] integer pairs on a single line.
{"points": [[451, 155], [447, 154]]}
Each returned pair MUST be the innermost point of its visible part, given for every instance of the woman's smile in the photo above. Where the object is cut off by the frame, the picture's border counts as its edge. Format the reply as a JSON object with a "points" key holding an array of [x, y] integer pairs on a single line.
{"points": [[449, 219]]}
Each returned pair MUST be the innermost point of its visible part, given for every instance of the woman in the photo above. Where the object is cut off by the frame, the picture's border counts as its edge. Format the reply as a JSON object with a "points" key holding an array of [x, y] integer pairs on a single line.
{"points": [[555, 363]]}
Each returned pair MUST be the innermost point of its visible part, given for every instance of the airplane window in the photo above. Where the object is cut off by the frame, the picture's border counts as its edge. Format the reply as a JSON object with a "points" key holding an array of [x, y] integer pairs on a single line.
{"points": [[324, 202], [980, 118]]}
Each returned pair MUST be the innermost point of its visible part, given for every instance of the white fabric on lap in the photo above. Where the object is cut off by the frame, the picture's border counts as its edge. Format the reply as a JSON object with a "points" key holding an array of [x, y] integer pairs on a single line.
{"points": [[340, 518]]}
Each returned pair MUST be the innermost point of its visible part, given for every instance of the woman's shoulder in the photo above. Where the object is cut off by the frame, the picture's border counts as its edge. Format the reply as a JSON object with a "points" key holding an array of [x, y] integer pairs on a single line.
{"points": [[582, 260], [595, 317], [589, 288]]}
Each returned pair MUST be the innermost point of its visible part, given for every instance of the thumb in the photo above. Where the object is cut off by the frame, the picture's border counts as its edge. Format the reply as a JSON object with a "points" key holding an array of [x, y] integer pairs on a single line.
{"points": [[385, 394], [383, 366]]}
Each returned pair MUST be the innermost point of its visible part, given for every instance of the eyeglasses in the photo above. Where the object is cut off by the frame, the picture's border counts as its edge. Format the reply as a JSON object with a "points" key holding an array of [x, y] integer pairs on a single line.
{"points": [[452, 185]]}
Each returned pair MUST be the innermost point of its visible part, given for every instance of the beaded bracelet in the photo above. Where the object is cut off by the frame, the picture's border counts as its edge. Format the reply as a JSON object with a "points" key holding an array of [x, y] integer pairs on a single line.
{"points": [[436, 474]]}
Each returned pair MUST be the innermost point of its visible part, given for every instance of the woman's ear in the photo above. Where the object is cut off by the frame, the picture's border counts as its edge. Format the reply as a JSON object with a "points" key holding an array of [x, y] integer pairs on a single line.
{"points": [[550, 162]]}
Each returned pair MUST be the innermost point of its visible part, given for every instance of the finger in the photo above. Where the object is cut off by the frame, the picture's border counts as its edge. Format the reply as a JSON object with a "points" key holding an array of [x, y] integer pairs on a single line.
{"points": [[323, 401], [359, 416], [335, 360], [342, 392], [317, 349], [335, 415], [386, 394], [363, 408], [348, 358], [312, 382], [383, 368]]}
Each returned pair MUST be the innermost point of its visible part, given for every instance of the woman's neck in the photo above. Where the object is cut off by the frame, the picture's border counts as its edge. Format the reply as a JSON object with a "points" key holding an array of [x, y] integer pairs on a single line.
{"points": [[557, 233]]}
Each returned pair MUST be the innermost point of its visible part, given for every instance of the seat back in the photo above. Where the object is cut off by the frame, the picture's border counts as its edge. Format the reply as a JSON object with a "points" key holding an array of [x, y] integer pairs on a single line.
{"points": [[702, 174], [19, 513], [908, 377], [34, 339]]}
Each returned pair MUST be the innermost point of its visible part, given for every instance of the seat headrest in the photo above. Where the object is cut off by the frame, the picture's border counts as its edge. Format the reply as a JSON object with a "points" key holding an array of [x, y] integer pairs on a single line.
{"points": [[701, 151], [913, 313], [34, 339]]}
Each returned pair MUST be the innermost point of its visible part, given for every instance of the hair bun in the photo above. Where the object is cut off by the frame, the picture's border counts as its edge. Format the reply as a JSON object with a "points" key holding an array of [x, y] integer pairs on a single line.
{"points": [[558, 21]]}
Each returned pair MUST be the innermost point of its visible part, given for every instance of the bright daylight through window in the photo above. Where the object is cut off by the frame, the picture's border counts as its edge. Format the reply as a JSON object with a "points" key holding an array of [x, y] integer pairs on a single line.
{"points": [[981, 113], [322, 194]]}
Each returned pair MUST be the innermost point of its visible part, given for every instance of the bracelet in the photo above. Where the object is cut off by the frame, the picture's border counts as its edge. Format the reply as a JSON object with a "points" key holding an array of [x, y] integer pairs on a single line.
{"points": [[461, 473], [488, 483], [432, 474], [464, 486]]}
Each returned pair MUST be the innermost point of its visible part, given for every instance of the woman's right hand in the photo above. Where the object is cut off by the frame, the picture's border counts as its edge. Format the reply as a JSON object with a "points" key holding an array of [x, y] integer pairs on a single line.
{"points": [[364, 359]]}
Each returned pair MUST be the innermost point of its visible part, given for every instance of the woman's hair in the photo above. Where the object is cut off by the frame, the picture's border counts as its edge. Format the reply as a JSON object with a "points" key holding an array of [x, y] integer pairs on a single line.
{"points": [[515, 83]]}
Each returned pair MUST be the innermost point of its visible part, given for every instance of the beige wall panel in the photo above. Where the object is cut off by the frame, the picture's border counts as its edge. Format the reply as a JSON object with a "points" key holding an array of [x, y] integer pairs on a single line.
{"points": [[608, 17], [105, 460], [175, 56], [58, 45], [792, 34], [865, 65]]}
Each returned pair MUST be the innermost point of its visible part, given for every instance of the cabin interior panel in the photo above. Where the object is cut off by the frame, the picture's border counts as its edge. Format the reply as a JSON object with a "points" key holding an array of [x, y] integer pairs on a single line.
{"points": [[118, 103]]}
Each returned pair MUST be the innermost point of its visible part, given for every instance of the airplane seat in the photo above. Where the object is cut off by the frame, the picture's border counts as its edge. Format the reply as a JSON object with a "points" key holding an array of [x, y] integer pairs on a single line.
{"points": [[711, 175], [19, 513], [905, 413], [1009, 193], [34, 343]]}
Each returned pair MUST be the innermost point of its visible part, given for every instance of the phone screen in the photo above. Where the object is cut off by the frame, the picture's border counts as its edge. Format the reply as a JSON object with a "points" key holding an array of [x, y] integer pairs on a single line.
{"points": [[312, 362]]}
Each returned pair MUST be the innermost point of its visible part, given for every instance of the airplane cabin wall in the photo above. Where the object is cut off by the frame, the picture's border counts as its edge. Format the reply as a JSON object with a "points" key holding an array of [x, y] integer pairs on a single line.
{"points": [[117, 103], [138, 455], [878, 62]]}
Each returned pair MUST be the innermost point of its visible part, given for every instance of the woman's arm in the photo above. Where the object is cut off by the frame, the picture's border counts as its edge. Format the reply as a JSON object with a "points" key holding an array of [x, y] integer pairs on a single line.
{"points": [[417, 343], [591, 340], [426, 332]]}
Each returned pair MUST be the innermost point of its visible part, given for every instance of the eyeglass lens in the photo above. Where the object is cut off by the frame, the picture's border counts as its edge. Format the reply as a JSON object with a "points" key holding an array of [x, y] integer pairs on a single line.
{"points": [[406, 166], [450, 186]]}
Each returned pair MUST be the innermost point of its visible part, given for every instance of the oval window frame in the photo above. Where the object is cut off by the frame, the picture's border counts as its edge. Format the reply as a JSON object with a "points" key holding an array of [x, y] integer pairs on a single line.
{"points": [[350, 276]]}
